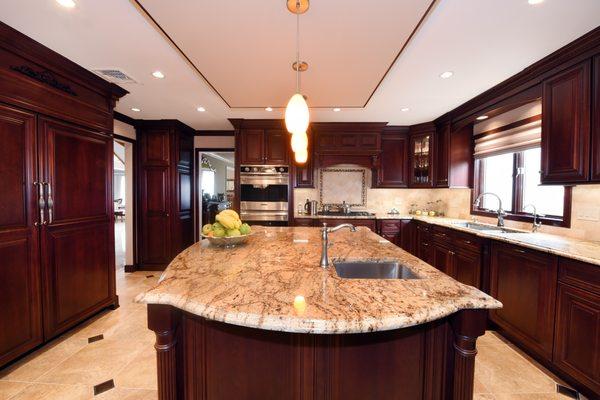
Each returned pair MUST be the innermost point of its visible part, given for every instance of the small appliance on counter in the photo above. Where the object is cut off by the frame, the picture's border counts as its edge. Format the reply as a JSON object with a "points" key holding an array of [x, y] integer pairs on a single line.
{"points": [[311, 207]]}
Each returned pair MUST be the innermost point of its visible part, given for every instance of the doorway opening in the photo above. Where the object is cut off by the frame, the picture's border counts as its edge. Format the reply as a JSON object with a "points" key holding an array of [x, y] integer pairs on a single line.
{"points": [[215, 174], [123, 200]]}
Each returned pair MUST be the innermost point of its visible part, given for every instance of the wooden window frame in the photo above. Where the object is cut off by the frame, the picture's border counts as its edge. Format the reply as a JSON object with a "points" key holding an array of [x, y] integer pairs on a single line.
{"points": [[517, 198]]}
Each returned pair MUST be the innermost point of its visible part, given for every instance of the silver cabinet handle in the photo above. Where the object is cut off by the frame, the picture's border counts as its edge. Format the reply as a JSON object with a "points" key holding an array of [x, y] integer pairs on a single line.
{"points": [[50, 203], [41, 203]]}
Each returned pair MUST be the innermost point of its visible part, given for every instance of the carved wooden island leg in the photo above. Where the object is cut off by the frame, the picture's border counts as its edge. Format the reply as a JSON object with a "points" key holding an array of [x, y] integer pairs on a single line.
{"points": [[164, 321]]}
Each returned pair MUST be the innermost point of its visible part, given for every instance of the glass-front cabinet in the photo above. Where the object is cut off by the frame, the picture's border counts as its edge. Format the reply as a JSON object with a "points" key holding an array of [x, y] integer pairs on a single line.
{"points": [[420, 160]]}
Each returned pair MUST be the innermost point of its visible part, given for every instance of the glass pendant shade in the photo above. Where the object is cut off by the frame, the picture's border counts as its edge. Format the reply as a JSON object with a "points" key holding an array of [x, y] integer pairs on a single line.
{"points": [[296, 114], [299, 141], [301, 156]]}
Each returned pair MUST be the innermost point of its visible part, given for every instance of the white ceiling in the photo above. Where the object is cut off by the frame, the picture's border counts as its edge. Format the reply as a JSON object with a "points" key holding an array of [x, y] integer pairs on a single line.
{"points": [[482, 41]]}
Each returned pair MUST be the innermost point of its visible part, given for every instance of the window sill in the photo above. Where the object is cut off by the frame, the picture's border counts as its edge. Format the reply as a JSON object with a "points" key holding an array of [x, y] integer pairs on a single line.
{"points": [[547, 221]]}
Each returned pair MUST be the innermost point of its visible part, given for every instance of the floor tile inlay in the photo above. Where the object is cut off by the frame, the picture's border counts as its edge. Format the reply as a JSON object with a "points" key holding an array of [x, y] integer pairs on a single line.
{"points": [[95, 338], [103, 387]]}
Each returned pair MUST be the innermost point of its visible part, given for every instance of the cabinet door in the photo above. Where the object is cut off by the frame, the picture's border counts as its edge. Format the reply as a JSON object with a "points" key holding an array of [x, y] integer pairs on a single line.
{"points": [[596, 122], [390, 230], [304, 222], [253, 149], [19, 237], [393, 164], [467, 268], [78, 241], [276, 147], [420, 169], [525, 282], [566, 126], [577, 348], [442, 259], [442, 143], [407, 236]]}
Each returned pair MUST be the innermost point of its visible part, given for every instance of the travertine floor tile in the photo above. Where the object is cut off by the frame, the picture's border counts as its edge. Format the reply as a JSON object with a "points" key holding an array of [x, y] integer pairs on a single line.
{"points": [[8, 389], [43, 391], [140, 373], [128, 394]]}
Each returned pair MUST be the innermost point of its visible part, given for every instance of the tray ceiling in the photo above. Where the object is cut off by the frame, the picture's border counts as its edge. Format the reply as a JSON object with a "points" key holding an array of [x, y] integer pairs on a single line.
{"points": [[245, 49]]}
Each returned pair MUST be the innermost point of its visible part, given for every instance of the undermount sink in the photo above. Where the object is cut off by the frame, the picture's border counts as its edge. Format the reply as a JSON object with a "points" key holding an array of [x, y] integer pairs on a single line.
{"points": [[372, 269], [484, 227]]}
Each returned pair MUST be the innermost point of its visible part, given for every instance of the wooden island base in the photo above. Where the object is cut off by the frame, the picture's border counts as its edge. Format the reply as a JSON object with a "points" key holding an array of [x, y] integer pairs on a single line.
{"points": [[202, 359]]}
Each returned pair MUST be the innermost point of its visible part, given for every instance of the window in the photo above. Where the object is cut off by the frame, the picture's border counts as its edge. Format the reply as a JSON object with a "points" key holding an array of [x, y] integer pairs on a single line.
{"points": [[208, 182], [515, 178]]}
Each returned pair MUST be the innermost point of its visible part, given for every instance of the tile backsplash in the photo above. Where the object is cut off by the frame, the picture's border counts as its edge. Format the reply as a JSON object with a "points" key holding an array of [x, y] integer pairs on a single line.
{"points": [[457, 204]]}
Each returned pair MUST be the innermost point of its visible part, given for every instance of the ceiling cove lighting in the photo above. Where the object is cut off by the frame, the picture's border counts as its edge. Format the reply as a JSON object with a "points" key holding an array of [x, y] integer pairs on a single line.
{"points": [[405, 109], [66, 3], [269, 109], [446, 74], [135, 109], [296, 113], [158, 75], [337, 109], [482, 117], [534, 2], [200, 109]]}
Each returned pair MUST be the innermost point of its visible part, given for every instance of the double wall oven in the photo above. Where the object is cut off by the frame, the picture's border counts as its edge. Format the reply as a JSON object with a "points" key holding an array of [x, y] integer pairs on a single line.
{"points": [[264, 194]]}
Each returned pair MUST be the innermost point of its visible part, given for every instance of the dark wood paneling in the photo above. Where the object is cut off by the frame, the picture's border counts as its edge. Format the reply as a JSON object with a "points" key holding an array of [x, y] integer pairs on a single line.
{"points": [[392, 171], [19, 245], [525, 282], [566, 126], [595, 173], [577, 347], [155, 221]]}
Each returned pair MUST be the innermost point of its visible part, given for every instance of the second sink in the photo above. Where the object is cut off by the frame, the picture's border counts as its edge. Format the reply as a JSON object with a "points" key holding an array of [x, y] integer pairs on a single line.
{"points": [[372, 269]]}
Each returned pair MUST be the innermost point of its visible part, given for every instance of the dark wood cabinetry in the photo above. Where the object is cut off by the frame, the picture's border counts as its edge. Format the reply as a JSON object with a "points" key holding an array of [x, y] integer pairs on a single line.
{"points": [[303, 174], [453, 156], [566, 125], [392, 169], [165, 189], [457, 254], [56, 234], [421, 155], [264, 146], [422, 245], [390, 229], [595, 162], [524, 281]]}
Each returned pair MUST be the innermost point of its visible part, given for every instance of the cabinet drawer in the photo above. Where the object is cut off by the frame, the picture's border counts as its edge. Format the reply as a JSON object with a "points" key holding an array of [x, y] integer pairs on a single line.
{"points": [[441, 235], [466, 241], [577, 273], [389, 225], [304, 222]]}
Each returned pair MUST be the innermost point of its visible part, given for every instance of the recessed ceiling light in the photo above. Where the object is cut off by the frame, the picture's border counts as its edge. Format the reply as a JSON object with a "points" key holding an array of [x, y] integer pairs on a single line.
{"points": [[158, 74], [268, 109], [200, 109], [482, 117], [337, 109], [66, 3], [446, 74], [135, 109], [404, 109], [534, 2]]}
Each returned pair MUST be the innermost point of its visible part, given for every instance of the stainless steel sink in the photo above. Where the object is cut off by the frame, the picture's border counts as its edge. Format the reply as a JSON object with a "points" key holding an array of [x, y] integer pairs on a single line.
{"points": [[372, 269], [483, 227]]}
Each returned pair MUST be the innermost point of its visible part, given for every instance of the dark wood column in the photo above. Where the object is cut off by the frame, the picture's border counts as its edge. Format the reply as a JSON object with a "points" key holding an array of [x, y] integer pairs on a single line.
{"points": [[164, 321], [467, 325]]}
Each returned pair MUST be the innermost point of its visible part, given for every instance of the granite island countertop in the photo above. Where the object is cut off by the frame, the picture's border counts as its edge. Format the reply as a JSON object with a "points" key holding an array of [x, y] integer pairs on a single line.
{"points": [[274, 282], [582, 250]]}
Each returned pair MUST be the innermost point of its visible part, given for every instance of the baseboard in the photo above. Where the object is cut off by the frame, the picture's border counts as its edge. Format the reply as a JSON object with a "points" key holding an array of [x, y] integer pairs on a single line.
{"points": [[130, 268]]}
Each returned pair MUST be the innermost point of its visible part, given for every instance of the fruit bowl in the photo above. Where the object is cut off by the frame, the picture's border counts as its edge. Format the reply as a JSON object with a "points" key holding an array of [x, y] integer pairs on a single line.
{"points": [[227, 241]]}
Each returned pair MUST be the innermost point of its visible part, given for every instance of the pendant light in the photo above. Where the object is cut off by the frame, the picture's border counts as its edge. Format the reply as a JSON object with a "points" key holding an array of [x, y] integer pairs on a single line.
{"points": [[296, 113]]}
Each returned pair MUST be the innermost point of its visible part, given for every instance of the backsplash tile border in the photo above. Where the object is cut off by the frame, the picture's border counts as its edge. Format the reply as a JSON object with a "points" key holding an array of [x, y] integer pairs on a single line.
{"points": [[363, 194]]}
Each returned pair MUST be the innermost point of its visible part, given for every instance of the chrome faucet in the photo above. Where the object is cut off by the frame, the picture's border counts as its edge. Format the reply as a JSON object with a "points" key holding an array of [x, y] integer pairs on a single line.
{"points": [[325, 240], [500, 211], [536, 218]]}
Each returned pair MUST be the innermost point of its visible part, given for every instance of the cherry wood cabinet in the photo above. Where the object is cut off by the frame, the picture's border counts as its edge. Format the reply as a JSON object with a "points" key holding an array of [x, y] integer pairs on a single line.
{"points": [[458, 255], [392, 169], [308, 222], [595, 162], [304, 174], [525, 282], [421, 155], [566, 126], [408, 233], [264, 146], [20, 291], [422, 246], [78, 270], [453, 156], [390, 229], [165, 190]]}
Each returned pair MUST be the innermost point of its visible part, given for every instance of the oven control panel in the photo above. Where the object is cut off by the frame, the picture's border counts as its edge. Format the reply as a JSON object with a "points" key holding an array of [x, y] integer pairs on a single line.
{"points": [[264, 169]]}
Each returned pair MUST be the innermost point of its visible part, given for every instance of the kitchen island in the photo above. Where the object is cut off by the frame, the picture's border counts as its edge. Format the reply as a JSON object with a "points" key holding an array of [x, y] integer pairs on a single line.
{"points": [[264, 320]]}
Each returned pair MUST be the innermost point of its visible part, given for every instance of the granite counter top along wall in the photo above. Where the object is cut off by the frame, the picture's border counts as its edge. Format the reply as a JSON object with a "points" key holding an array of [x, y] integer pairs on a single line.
{"points": [[274, 282], [582, 250]]}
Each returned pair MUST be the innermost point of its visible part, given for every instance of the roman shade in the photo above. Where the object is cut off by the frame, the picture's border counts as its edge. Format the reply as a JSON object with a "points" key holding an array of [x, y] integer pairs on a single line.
{"points": [[518, 136]]}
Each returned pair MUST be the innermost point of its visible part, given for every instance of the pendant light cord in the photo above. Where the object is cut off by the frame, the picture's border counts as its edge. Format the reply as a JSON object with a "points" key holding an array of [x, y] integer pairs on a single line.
{"points": [[297, 46]]}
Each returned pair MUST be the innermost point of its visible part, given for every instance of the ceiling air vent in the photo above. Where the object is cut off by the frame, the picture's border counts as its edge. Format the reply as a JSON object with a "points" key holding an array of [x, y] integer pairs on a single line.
{"points": [[114, 75]]}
